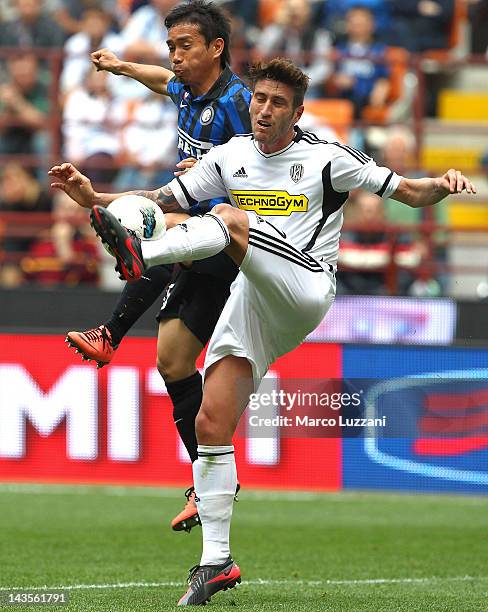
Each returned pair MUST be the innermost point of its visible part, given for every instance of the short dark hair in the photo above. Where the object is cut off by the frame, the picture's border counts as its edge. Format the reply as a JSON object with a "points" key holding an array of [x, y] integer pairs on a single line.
{"points": [[284, 71], [211, 20]]}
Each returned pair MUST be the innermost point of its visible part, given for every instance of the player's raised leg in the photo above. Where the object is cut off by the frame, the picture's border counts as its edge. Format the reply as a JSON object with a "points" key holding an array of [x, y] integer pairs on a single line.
{"points": [[196, 238]]}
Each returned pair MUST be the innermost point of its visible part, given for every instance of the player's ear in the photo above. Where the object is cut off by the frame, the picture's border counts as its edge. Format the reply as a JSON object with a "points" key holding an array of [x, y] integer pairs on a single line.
{"points": [[218, 47], [299, 113]]}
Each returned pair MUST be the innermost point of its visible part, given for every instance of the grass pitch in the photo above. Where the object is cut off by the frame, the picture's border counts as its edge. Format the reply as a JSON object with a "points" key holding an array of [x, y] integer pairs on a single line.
{"points": [[349, 552]]}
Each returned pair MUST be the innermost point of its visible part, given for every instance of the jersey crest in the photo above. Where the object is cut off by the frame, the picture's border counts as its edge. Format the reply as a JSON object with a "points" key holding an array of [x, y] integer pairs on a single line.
{"points": [[296, 172], [207, 115]]}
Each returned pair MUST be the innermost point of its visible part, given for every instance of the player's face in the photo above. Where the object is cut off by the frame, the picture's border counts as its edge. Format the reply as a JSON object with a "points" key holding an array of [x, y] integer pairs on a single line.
{"points": [[273, 115], [192, 60]]}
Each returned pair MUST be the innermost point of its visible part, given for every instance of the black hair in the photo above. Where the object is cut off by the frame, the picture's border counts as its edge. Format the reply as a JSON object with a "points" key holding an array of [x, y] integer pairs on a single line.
{"points": [[284, 71], [211, 20]]}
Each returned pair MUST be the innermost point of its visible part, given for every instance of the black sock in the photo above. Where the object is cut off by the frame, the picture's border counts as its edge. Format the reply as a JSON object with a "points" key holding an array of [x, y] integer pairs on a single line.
{"points": [[136, 298], [186, 396]]}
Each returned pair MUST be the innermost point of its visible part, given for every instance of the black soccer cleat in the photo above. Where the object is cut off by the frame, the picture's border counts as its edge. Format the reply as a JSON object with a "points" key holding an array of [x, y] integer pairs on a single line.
{"points": [[124, 245], [206, 580]]}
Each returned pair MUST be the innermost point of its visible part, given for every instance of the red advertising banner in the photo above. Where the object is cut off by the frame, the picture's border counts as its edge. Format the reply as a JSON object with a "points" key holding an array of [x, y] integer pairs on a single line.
{"points": [[65, 421]]}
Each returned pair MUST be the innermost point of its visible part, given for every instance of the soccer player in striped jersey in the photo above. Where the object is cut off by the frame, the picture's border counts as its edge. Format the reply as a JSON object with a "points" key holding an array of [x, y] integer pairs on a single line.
{"points": [[287, 190], [213, 106]]}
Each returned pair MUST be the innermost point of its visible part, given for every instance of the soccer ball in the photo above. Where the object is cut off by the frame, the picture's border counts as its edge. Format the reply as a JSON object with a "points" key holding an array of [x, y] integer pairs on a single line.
{"points": [[140, 215]]}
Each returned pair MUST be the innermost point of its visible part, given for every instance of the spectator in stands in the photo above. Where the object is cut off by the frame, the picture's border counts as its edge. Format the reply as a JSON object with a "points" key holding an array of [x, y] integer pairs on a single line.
{"points": [[295, 34], [244, 18], [127, 7], [90, 129], [32, 27], [10, 273], [148, 142], [361, 73], [421, 25], [415, 250], [7, 10], [24, 106], [94, 34], [248, 10], [66, 252], [144, 35], [364, 255], [143, 41], [310, 122], [70, 13], [334, 15], [20, 192], [398, 149]]}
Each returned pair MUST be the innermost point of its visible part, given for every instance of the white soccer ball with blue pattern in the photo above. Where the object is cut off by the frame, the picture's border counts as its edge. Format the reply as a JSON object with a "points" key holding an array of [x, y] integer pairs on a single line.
{"points": [[140, 215]]}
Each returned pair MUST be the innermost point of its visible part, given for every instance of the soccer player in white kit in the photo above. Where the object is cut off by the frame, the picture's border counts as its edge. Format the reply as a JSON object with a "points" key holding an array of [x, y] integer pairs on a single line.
{"points": [[288, 189]]}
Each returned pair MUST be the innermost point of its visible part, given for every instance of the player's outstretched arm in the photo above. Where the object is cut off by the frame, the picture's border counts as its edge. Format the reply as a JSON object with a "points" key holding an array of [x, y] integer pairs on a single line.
{"points": [[69, 179], [153, 77], [428, 191]]}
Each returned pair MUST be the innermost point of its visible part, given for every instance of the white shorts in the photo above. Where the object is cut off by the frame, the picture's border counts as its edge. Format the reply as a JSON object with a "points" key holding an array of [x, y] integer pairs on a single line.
{"points": [[279, 296]]}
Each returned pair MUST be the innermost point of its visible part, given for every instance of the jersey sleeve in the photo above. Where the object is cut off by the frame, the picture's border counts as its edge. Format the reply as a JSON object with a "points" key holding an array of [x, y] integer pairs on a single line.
{"points": [[174, 89], [202, 182], [237, 113], [352, 169]]}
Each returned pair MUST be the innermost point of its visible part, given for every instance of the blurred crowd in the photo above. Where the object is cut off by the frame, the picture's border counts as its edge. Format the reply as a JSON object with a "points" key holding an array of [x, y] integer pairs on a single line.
{"points": [[122, 135]]}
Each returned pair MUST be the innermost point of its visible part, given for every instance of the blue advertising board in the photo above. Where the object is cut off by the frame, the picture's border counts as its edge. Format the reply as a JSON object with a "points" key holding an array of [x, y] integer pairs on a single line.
{"points": [[436, 401]]}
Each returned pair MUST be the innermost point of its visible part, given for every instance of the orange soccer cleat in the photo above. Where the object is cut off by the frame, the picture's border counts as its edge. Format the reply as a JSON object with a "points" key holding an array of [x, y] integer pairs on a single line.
{"points": [[188, 517], [94, 344]]}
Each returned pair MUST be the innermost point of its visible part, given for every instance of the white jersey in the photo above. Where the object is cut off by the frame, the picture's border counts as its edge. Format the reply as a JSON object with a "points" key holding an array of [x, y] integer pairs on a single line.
{"points": [[302, 188]]}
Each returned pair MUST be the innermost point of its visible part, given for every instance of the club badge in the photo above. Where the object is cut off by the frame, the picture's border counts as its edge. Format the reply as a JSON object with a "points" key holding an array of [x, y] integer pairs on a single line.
{"points": [[296, 172]]}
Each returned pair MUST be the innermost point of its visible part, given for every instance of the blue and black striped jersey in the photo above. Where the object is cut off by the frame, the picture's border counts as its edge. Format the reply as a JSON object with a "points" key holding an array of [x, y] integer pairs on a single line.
{"points": [[211, 119]]}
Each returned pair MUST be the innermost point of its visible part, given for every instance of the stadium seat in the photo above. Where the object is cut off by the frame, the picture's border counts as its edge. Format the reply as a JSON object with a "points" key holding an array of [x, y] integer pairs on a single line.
{"points": [[434, 159], [467, 214], [336, 113], [455, 105], [397, 59]]}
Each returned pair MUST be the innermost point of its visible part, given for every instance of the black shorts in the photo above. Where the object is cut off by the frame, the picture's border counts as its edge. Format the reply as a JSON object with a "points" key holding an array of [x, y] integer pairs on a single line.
{"points": [[198, 298]]}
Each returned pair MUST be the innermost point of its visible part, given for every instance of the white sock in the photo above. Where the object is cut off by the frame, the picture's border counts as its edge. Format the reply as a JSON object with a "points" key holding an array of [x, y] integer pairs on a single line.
{"points": [[196, 238], [215, 479]]}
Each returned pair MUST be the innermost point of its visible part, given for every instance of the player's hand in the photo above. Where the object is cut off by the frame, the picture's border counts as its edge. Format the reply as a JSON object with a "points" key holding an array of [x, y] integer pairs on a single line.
{"points": [[69, 179], [104, 59], [185, 165], [454, 181]]}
